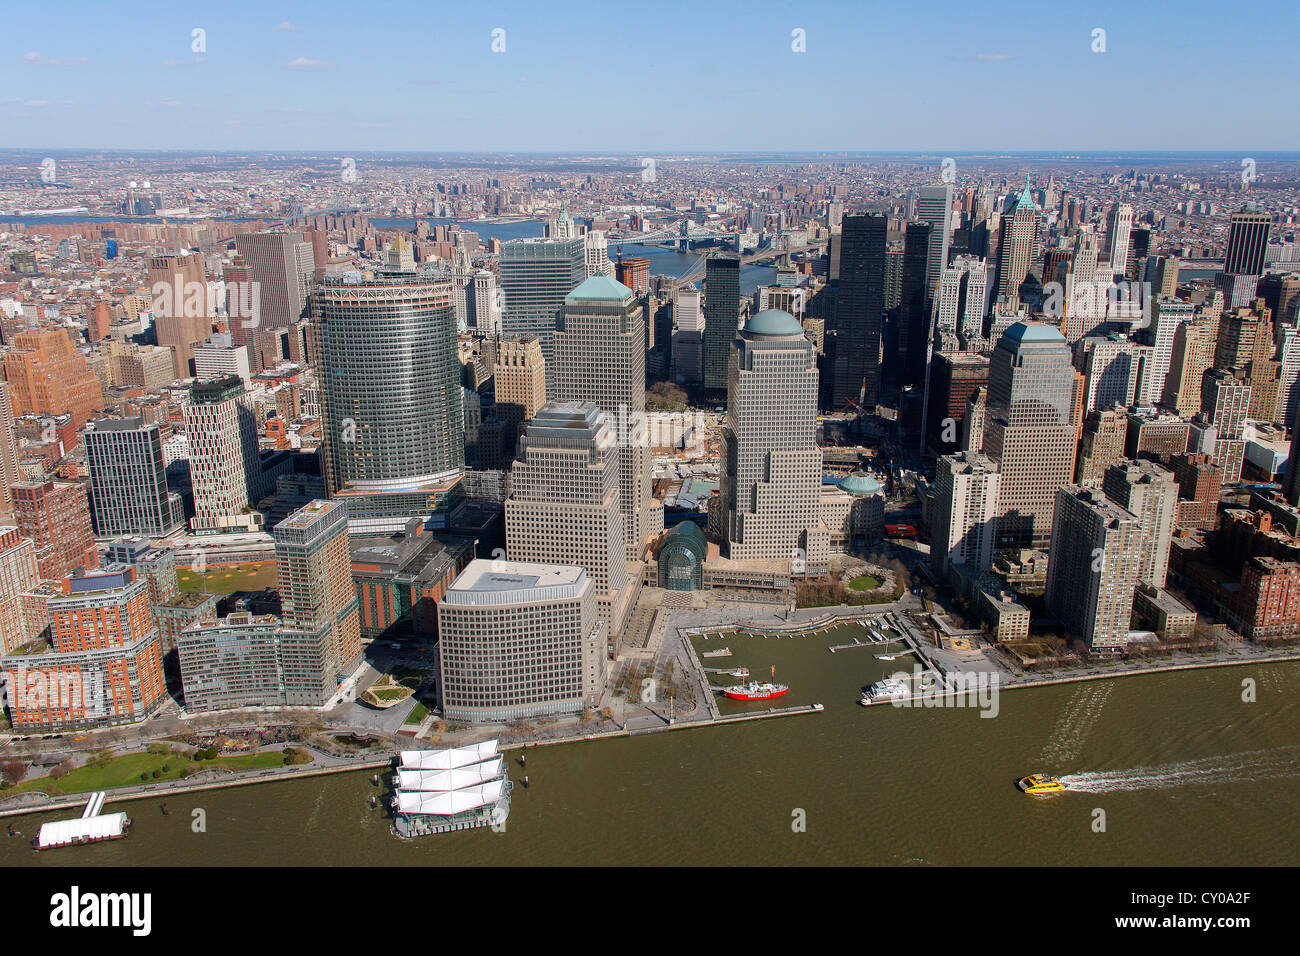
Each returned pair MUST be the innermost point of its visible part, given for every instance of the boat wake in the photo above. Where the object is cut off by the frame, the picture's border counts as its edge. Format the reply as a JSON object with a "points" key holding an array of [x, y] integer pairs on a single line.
{"points": [[1076, 722], [1277, 763]]}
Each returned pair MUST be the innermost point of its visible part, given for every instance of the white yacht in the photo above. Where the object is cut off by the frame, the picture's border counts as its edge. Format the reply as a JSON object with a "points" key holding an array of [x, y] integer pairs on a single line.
{"points": [[891, 688]]}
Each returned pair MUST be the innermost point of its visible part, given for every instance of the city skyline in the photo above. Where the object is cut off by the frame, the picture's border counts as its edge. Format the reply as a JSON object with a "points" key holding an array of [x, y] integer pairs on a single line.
{"points": [[260, 78]]}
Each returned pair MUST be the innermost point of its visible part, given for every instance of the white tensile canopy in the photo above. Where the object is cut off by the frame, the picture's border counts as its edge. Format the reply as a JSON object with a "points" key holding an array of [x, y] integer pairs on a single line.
{"points": [[448, 802], [448, 759], [455, 779]]}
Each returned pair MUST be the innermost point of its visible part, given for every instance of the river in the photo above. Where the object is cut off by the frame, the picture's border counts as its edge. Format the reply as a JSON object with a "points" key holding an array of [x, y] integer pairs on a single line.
{"points": [[1184, 770]]}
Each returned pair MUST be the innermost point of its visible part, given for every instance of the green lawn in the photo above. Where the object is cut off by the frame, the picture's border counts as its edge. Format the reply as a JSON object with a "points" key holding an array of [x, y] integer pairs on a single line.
{"points": [[228, 579], [391, 693], [417, 715], [865, 583], [125, 771]]}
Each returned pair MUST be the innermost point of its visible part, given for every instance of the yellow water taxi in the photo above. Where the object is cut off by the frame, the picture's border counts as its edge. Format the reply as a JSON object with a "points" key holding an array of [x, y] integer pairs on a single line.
{"points": [[1039, 784]]}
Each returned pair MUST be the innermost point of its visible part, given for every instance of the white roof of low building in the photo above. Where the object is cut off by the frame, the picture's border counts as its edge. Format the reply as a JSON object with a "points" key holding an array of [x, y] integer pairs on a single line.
{"points": [[67, 832]]}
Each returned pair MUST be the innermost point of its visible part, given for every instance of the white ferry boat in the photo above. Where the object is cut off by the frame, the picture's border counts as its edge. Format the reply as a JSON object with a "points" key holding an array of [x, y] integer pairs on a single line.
{"points": [[891, 688]]}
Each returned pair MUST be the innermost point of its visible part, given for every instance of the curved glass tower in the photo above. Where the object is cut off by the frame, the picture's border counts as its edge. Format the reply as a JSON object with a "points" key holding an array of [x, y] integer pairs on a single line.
{"points": [[390, 395]]}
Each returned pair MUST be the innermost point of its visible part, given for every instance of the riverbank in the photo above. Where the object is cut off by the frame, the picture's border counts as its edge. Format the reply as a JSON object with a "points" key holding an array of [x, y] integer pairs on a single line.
{"points": [[169, 788]]}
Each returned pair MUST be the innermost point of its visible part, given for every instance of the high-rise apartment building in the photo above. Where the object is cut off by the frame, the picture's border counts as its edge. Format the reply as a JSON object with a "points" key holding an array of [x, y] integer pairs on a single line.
{"points": [[106, 664], [56, 516], [1149, 491], [1102, 444], [964, 523], [1191, 358], [9, 448], [225, 467], [48, 376], [314, 570], [1166, 316], [1029, 430], [1225, 402], [128, 479], [390, 396], [18, 574], [1092, 570], [771, 463]]}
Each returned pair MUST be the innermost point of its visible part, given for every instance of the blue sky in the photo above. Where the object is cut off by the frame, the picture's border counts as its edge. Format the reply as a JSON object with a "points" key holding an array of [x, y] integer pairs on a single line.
{"points": [[651, 76]]}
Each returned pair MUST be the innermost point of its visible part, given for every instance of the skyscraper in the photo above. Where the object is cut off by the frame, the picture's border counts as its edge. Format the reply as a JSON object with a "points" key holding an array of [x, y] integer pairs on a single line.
{"points": [[1150, 492], [179, 299], [1247, 241], [536, 275], [1119, 227], [914, 309], [771, 464], [935, 208], [283, 266], [1166, 316], [965, 512], [599, 352], [225, 468], [56, 516], [721, 317], [314, 574], [8, 448], [1092, 570], [564, 501], [1018, 249], [519, 378], [859, 307], [48, 376], [1029, 429], [390, 396], [128, 479]]}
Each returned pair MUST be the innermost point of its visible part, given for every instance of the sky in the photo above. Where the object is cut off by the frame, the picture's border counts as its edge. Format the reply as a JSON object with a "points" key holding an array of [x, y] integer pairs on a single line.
{"points": [[708, 75]]}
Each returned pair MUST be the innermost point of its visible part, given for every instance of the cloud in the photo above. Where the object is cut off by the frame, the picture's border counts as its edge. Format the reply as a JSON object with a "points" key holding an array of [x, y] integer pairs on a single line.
{"points": [[306, 63], [994, 57], [39, 59], [287, 27], [36, 103], [171, 64]]}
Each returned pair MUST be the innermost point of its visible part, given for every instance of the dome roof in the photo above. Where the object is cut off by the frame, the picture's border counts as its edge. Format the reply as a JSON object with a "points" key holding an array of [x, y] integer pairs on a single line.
{"points": [[860, 484], [774, 322]]}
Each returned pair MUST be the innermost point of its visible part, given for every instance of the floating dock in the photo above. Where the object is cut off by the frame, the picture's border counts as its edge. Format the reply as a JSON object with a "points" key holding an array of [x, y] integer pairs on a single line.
{"points": [[90, 827]]}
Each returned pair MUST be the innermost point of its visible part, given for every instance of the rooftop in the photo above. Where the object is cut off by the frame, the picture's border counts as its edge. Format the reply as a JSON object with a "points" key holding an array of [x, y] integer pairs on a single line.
{"points": [[599, 288], [773, 322]]}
